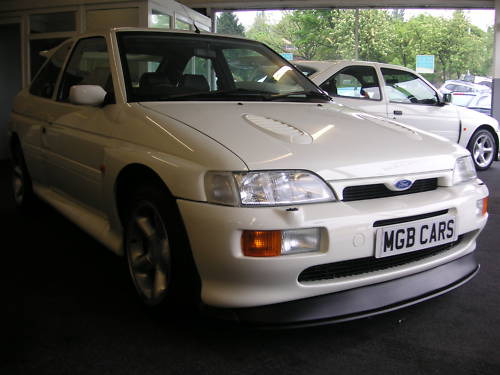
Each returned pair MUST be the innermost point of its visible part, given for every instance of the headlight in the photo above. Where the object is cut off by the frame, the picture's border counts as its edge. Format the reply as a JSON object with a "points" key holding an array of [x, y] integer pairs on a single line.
{"points": [[266, 188], [464, 170]]}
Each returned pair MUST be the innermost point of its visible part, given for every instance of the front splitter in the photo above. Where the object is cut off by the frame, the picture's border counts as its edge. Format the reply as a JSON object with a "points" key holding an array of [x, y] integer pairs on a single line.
{"points": [[357, 303]]}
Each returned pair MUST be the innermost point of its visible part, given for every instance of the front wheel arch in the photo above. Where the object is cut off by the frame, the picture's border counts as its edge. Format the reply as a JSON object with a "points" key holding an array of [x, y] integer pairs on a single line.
{"points": [[132, 181], [128, 181]]}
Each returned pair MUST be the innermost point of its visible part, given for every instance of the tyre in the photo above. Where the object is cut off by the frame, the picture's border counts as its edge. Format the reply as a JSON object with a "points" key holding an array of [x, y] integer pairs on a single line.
{"points": [[21, 181], [483, 149], [157, 250]]}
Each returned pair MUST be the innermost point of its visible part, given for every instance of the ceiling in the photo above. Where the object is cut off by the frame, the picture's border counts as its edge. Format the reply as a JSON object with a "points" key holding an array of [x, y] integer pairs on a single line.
{"points": [[294, 4]]}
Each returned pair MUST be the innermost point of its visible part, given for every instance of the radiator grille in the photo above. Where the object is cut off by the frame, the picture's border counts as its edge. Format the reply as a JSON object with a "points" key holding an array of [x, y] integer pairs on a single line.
{"points": [[356, 193]]}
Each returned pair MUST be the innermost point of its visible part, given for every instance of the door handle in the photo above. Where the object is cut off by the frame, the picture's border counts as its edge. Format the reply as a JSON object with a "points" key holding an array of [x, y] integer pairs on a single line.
{"points": [[398, 113]]}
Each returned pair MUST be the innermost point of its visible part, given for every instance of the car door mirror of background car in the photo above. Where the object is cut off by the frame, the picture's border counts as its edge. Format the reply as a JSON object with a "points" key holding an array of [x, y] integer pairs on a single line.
{"points": [[87, 95], [446, 98]]}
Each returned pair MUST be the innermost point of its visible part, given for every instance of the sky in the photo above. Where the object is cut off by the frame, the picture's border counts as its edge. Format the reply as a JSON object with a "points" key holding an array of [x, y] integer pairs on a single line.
{"points": [[480, 18]]}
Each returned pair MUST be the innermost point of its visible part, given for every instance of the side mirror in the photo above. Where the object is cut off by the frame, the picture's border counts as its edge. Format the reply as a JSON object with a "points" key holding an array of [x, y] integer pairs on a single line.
{"points": [[447, 98], [87, 95]]}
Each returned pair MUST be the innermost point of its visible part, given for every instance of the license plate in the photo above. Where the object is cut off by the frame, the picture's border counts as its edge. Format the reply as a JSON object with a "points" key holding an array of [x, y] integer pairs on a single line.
{"points": [[415, 235]]}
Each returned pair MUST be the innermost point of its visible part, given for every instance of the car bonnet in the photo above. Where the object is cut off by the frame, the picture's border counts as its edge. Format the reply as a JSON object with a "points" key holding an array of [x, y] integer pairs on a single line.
{"points": [[332, 140]]}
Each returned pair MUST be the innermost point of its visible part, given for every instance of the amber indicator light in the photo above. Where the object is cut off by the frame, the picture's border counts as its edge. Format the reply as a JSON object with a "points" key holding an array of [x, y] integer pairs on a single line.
{"points": [[263, 243], [485, 205]]}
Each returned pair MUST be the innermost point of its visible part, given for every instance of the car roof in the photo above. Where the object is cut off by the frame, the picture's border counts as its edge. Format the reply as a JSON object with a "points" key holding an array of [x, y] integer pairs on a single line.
{"points": [[324, 65], [48, 53], [169, 31], [477, 86]]}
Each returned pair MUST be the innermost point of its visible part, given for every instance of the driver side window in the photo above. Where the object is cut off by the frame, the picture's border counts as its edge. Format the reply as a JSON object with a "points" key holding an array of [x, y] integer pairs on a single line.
{"points": [[405, 87], [88, 65], [358, 82]]}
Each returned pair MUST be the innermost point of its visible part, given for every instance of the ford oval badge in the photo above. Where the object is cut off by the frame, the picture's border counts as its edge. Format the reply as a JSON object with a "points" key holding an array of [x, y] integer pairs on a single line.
{"points": [[403, 184]]}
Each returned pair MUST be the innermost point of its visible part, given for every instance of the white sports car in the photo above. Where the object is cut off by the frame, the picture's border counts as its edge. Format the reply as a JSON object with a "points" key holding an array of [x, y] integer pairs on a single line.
{"points": [[219, 171], [401, 94]]}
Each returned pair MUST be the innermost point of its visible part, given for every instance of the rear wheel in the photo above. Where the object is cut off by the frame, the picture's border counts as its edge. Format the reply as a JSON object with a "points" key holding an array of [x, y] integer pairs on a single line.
{"points": [[21, 181], [157, 249], [483, 148]]}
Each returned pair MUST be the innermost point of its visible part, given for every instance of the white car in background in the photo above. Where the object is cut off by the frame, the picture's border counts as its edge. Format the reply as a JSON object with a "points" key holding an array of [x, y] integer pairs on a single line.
{"points": [[221, 173], [463, 86], [480, 102], [401, 94]]}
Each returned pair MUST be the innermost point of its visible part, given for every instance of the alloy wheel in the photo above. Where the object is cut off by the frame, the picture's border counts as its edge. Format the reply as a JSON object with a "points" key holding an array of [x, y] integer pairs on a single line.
{"points": [[18, 181], [148, 251], [483, 150]]}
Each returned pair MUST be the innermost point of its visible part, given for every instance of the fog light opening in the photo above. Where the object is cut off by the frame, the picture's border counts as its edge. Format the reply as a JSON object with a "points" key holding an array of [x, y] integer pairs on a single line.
{"points": [[300, 241]]}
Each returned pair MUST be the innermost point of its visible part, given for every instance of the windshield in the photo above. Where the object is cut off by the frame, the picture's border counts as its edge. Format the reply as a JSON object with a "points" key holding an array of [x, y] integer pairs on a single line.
{"points": [[168, 66]]}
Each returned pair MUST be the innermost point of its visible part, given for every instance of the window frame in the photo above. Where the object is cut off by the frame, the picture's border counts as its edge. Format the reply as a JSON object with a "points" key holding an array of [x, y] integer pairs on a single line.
{"points": [[70, 56], [436, 95], [376, 75], [220, 63], [61, 70]]}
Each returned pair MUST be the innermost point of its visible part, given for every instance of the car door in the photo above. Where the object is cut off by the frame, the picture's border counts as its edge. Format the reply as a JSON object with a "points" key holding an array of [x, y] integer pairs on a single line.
{"points": [[414, 102], [35, 117], [357, 86], [76, 136]]}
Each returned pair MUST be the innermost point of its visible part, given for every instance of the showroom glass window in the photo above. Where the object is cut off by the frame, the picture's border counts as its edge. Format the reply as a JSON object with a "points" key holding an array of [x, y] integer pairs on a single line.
{"points": [[88, 65], [45, 81], [358, 81], [160, 20], [406, 87]]}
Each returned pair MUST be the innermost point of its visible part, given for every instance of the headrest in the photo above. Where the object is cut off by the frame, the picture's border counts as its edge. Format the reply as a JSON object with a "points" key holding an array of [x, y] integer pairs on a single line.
{"points": [[196, 82], [153, 79]]}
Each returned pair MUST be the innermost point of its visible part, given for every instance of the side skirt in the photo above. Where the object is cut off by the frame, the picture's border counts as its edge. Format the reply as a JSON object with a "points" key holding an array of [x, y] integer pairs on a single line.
{"points": [[92, 223]]}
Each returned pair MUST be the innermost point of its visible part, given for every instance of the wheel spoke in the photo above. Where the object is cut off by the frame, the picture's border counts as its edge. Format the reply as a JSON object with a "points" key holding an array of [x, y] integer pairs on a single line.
{"points": [[18, 171], [149, 253], [17, 184], [142, 264], [144, 224], [165, 250], [145, 284], [160, 282]]}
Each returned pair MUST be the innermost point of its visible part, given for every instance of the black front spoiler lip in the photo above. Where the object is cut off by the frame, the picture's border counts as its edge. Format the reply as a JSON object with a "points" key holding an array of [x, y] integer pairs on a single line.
{"points": [[357, 303]]}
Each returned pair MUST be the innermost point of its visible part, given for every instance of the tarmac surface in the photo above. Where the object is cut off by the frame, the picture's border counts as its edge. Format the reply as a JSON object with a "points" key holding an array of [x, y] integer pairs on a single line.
{"points": [[71, 309]]}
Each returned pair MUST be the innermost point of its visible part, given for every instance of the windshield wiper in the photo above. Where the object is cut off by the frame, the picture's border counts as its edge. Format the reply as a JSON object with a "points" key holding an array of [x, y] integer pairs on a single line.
{"points": [[242, 94], [306, 94], [238, 93]]}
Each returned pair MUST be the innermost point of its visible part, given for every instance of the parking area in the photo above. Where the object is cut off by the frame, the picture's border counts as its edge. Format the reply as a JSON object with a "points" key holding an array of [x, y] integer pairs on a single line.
{"points": [[72, 310]]}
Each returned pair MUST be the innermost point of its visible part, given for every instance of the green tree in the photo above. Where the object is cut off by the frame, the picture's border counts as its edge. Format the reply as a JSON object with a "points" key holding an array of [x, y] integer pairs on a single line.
{"points": [[376, 35], [313, 35], [398, 14], [331, 34], [264, 31], [456, 43], [383, 36], [228, 23]]}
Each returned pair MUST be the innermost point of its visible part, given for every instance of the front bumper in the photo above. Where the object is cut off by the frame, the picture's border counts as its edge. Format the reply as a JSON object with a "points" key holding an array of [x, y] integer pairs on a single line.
{"points": [[231, 280], [360, 302]]}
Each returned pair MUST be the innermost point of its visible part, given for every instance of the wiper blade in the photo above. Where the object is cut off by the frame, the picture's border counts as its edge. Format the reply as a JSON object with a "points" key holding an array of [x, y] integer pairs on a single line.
{"points": [[307, 94], [219, 94]]}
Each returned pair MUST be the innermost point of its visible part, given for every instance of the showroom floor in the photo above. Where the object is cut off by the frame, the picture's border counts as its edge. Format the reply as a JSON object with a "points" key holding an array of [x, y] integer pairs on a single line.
{"points": [[72, 310]]}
